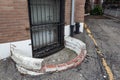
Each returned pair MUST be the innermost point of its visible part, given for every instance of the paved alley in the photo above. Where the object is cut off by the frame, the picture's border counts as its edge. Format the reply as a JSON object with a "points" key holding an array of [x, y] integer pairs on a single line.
{"points": [[107, 34]]}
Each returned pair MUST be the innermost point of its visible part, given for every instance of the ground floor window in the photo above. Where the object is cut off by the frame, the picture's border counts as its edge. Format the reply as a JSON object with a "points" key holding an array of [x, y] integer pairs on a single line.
{"points": [[47, 26]]}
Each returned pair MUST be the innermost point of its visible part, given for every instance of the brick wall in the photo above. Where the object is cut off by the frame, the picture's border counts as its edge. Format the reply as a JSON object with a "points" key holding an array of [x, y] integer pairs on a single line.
{"points": [[79, 10], [13, 20], [67, 11]]}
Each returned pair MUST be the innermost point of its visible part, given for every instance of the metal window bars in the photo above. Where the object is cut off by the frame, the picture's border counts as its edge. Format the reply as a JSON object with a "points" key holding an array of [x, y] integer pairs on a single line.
{"points": [[47, 22]]}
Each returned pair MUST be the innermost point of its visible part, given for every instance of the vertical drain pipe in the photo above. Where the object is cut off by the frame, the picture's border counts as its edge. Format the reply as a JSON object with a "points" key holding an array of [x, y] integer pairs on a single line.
{"points": [[72, 17], [77, 26]]}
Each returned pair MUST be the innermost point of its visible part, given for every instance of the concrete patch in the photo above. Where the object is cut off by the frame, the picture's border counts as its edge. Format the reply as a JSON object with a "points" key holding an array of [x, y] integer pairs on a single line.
{"points": [[24, 61]]}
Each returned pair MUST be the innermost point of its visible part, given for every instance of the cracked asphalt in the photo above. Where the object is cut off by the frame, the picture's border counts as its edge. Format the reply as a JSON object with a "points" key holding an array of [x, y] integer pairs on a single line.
{"points": [[107, 34]]}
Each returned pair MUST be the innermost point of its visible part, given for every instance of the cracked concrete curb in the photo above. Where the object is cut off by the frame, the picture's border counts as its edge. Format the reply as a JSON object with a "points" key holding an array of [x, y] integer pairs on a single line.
{"points": [[33, 66]]}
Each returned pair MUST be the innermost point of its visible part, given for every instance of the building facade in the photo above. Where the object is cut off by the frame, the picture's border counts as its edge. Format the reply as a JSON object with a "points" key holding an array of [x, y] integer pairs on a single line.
{"points": [[16, 19]]}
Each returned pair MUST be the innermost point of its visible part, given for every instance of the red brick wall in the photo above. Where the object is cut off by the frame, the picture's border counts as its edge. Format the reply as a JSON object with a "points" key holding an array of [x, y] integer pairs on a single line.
{"points": [[67, 11], [79, 11], [13, 20]]}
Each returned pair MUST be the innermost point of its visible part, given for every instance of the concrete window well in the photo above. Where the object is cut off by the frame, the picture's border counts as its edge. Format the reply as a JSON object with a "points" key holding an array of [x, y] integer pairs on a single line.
{"points": [[40, 34]]}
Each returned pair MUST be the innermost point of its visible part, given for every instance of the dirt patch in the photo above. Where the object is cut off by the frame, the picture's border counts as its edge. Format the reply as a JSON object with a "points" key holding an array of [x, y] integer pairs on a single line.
{"points": [[60, 57]]}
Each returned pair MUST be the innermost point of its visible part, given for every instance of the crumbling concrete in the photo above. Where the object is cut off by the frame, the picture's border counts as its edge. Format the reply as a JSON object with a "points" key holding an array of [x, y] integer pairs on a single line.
{"points": [[37, 66]]}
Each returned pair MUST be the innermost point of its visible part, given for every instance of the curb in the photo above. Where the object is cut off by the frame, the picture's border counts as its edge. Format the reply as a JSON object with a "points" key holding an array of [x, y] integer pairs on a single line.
{"points": [[33, 66], [55, 68], [72, 63]]}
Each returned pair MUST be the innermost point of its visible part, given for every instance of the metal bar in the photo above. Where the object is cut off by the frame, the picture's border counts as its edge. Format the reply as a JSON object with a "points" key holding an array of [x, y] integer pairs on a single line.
{"points": [[59, 10], [45, 22], [62, 18], [50, 6], [53, 12], [33, 22], [42, 39], [56, 9], [59, 19], [30, 22], [54, 35], [38, 35], [36, 9], [40, 21], [58, 26]]}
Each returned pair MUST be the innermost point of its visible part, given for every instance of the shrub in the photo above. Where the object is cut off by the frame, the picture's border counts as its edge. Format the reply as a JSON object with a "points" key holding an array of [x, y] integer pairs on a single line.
{"points": [[97, 10]]}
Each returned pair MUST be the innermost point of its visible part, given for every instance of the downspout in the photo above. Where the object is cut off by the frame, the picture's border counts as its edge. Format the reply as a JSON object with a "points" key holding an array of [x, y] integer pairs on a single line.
{"points": [[72, 18]]}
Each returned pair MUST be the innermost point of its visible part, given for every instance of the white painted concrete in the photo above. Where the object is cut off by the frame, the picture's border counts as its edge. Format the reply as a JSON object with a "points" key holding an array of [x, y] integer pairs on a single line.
{"points": [[74, 44], [24, 46], [4, 50], [25, 71], [81, 27], [25, 61], [67, 31]]}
